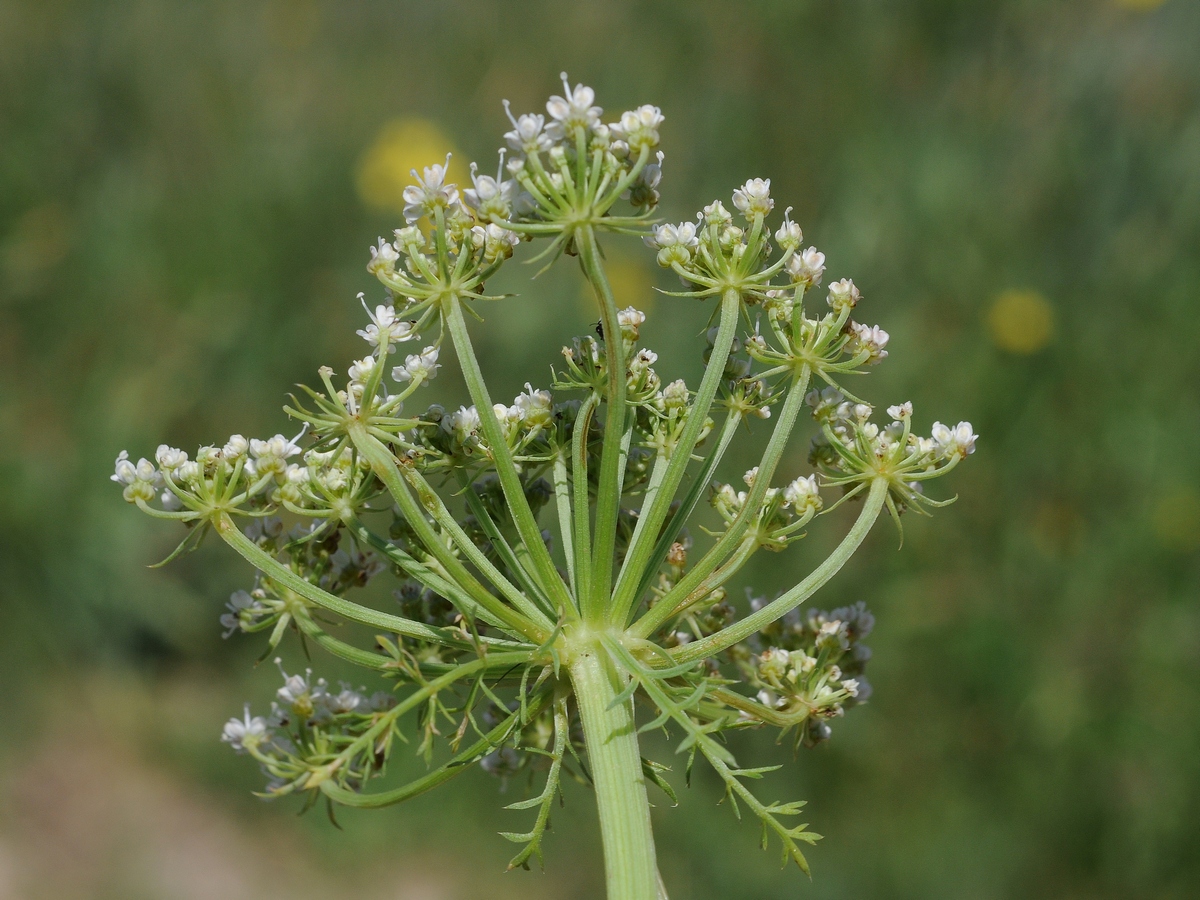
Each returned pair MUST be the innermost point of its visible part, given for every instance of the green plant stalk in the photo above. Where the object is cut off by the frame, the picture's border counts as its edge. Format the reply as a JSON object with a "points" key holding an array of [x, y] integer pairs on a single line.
{"points": [[610, 731], [506, 469], [277, 571], [657, 506], [579, 485], [781, 606], [733, 535], [383, 463], [608, 494], [686, 508]]}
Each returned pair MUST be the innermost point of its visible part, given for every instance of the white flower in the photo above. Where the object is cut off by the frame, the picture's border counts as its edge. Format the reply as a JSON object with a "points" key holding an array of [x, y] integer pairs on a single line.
{"points": [[773, 663], [429, 193], [533, 407], [807, 267], [850, 686], [638, 128], [385, 327], [574, 111], [715, 214], [631, 317], [235, 448], [675, 395], [527, 135], [270, 455], [674, 243], [490, 196], [421, 366], [843, 296], [824, 403], [383, 258], [642, 360], [170, 458], [789, 235], [754, 198], [361, 370], [750, 476], [901, 412], [464, 422], [141, 481], [245, 733], [869, 338], [957, 441], [344, 701], [803, 494], [496, 241]]}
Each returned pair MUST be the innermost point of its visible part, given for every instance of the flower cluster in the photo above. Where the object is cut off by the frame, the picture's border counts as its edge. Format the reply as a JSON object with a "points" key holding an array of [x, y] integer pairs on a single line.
{"points": [[809, 669], [545, 558], [315, 733]]}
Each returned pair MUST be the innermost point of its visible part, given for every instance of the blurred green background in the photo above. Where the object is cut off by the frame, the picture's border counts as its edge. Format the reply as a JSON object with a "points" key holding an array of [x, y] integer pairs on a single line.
{"points": [[187, 192]]}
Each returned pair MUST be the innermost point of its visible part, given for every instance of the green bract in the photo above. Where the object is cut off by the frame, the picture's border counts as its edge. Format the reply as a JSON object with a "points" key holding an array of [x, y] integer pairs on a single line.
{"points": [[520, 652]]}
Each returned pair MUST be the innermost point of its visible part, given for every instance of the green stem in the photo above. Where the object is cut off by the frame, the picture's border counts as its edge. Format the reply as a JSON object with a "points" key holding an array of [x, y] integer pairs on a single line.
{"points": [[384, 465], [610, 732], [742, 629], [506, 469], [687, 507], [562, 503], [733, 535], [579, 485], [608, 495], [277, 571], [654, 511]]}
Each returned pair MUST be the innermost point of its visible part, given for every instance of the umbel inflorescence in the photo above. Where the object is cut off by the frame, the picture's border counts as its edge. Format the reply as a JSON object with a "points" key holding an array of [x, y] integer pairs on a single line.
{"points": [[551, 604]]}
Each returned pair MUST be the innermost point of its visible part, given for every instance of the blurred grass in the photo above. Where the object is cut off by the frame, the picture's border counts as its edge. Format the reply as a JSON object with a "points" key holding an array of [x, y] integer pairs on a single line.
{"points": [[185, 203]]}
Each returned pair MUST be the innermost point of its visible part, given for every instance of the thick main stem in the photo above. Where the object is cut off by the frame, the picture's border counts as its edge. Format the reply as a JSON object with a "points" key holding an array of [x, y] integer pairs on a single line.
{"points": [[630, 869]]}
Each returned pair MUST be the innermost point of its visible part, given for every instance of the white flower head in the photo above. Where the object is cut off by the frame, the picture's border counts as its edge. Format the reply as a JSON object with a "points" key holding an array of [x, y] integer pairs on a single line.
{"points": [[843, 296], [638, 128], [383, 257], [141, 480], [788, 236], [235, 448], [901, 412], [421, 366], [385, 328], [527, 135], [360, 370], [270, 455], [464, 423], [674, 243], [573, 112], [430, 193], [754, 198], [496, 241], [715, 214], [803, 494], [870, 339], [631, 317], [533, 407], [490, 196], [245, 733], [170, 458], [807, 267], [642, 361], [675, 395], [958, 441]]}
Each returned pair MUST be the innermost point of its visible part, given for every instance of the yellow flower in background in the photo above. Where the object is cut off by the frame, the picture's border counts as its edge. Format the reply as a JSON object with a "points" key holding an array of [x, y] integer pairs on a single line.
{"points": [[1021, 321], [1176, 519], [385, 168], [631, 281]]}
